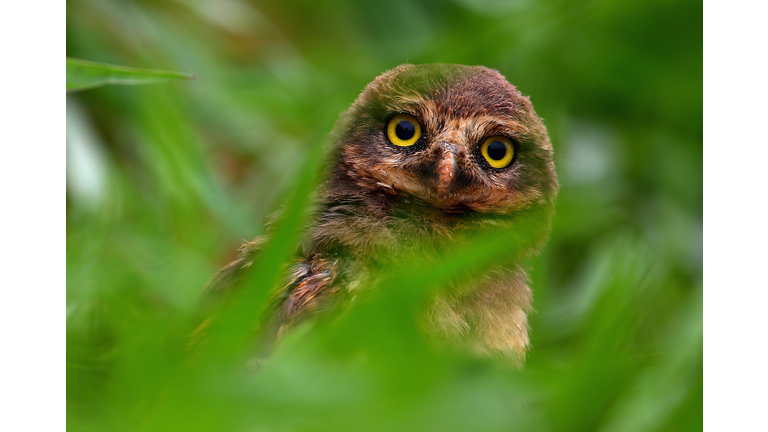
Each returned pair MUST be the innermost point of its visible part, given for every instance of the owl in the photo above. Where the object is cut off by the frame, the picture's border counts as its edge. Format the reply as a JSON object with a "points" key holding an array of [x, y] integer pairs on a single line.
{"points": [[426, 155]]}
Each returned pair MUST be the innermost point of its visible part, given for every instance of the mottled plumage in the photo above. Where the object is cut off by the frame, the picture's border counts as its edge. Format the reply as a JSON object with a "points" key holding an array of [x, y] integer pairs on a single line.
{"points": [[414, 168]]}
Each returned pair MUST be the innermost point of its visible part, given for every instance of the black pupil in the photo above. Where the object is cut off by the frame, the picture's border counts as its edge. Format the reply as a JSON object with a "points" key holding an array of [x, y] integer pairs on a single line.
{"points": [[497, 150], [405, 130]]}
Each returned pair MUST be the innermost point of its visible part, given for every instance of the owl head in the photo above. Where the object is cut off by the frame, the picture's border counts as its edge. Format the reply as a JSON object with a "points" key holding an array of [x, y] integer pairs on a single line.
{"points": [[459, 140]]}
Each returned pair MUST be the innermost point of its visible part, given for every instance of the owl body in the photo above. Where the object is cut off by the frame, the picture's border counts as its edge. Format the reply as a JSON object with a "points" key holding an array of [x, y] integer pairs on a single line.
{"points": [[426, 156]]}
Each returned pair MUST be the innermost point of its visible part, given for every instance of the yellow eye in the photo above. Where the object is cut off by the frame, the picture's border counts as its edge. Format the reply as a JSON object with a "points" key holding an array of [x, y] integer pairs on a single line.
{"points": [[403, 130], [498, 151]]}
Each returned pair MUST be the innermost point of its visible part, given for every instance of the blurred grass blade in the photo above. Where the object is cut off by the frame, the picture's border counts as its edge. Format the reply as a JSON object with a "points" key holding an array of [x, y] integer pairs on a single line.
{"points": [[661, 388], [234, 329], [83, 75]]}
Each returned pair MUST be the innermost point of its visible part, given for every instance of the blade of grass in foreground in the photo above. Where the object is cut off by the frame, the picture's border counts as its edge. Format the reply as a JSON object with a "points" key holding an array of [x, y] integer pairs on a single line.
{"points": [[83, 75], [232, 331]]}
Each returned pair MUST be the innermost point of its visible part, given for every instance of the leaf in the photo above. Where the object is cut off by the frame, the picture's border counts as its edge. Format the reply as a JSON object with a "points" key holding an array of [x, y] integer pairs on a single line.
{"points": [[83, 75]]}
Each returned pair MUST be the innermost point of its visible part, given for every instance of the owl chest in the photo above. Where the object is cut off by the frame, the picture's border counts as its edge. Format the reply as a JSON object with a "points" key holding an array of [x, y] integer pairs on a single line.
{"points": [[389, 236]]}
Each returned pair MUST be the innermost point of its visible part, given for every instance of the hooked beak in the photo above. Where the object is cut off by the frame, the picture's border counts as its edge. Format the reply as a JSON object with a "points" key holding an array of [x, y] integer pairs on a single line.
{"points": [[446, 169]]}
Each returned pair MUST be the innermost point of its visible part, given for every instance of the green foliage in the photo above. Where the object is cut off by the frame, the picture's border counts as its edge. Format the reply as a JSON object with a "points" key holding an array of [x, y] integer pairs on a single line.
{"points": [[165, 181], [83, 75]]}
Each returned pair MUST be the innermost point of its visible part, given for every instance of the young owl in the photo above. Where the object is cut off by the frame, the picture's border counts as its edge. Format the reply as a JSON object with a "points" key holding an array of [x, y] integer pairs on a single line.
{"points": [[425, 155]]}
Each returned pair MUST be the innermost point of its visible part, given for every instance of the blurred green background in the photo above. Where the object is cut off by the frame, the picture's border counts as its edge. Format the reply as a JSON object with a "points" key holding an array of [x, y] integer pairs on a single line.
{"points": [[164, 181]]}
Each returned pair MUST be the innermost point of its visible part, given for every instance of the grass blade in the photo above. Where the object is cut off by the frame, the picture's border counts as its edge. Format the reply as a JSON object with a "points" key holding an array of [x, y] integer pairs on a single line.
{"points": [[83, 75]]}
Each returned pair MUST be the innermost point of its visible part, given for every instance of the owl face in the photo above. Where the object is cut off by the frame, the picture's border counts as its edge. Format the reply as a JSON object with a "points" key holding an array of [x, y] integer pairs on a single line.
{"points": [[458, 138]]}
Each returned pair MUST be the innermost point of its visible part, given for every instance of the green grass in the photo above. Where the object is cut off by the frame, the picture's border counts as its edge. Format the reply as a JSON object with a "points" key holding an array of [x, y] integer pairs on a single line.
{"points": [[84, 75], [164, 182]]}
